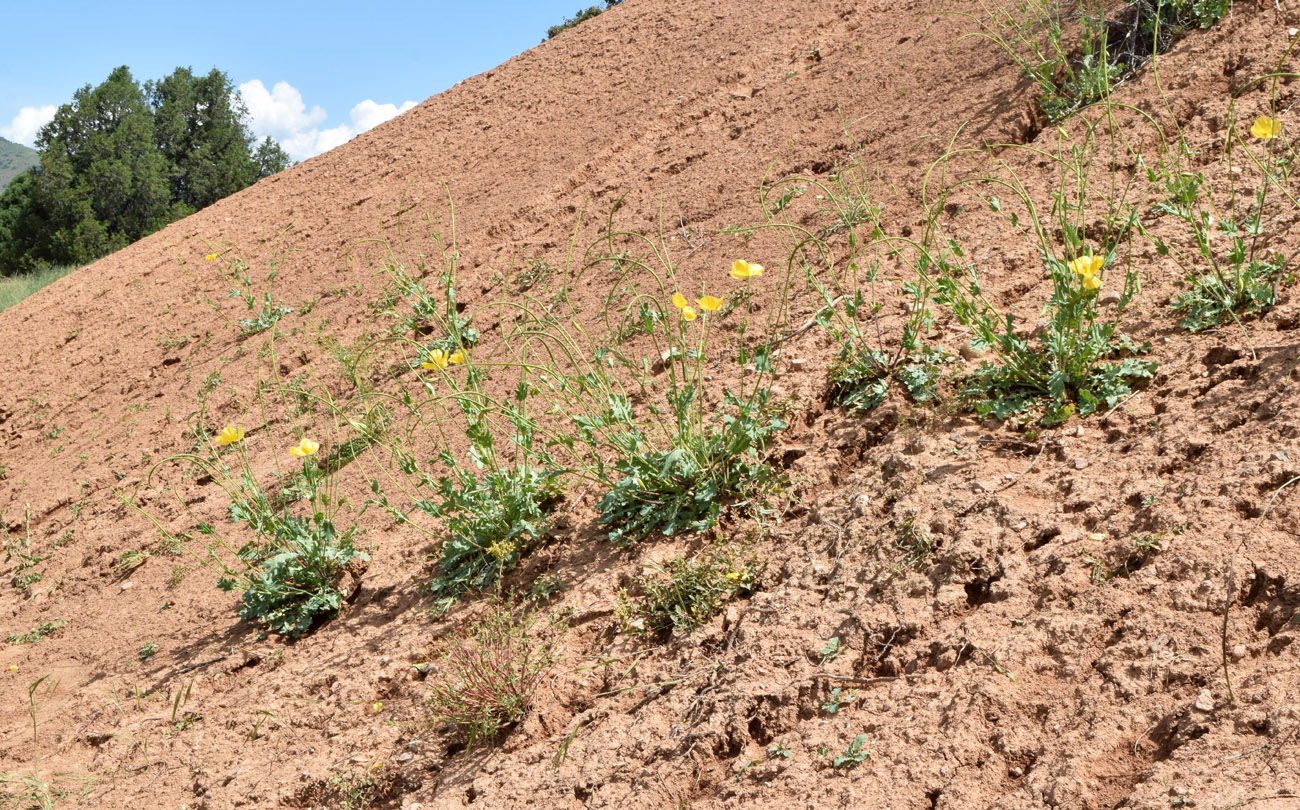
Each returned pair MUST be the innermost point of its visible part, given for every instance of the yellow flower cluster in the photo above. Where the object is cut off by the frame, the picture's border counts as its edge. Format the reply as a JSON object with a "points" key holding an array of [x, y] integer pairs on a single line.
{"points": [[439, 358], [740, 269], [1089, 268], [501, 549]]}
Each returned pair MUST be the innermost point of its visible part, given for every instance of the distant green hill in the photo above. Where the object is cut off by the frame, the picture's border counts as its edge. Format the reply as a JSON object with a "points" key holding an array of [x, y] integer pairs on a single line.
{"points": [[14, 160]]}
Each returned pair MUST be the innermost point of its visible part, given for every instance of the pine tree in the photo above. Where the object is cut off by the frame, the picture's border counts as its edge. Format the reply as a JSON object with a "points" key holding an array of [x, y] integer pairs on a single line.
{"points": [[119, 162]]}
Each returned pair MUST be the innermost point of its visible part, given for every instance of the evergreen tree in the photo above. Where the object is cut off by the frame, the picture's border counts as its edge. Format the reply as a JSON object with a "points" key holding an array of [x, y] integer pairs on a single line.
{"points": [[101, 181], [20, 222], [120, 161]]}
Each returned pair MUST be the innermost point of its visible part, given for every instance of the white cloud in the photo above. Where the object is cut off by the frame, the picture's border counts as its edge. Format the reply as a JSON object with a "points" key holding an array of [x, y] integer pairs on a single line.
{"points": [[279, 112], [282, 114], [369, 114], [27, 123]]}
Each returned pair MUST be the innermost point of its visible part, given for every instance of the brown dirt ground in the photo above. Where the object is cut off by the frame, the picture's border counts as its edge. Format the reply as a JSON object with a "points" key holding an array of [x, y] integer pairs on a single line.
{"points": [[997, 674]]}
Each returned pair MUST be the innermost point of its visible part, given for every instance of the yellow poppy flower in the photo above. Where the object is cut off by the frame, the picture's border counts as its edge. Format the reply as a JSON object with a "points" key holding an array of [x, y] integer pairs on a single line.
{"points": [[439, 358], [709, 303], [13, 667], [688, 314], [679, 300], [741, 269], [1088, 265], [1087, 268], [229, 435], [377, 705], [211, 257], [304, 448], [1266, 128]]}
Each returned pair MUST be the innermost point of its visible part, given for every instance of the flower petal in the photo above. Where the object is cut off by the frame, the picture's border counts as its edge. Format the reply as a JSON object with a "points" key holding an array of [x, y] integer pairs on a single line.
{"points": [[1266, 128], [709, 303], [679, 300]]}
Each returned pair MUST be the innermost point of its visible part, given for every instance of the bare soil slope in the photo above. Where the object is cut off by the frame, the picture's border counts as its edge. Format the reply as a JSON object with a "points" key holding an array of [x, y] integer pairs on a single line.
{"points": [[997, 672]]}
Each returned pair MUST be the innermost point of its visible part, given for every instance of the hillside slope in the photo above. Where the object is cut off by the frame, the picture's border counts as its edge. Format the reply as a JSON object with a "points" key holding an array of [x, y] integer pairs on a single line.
{"points": [[1017, 658], [14, 160]]}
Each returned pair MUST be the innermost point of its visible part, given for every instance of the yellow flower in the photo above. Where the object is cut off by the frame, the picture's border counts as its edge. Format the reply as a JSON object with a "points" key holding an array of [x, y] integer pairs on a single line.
{"points": [[679, 300], [439, 358], [734, 576], [741, 269], [1266, 128], [1088, 267], [688, 314], [13, 667], [709, 303], [304, 448], [229, 435], [211, 257], [378, 705]]}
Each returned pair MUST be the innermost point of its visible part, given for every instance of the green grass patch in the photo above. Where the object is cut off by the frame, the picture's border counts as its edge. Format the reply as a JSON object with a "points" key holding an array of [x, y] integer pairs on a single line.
{"points": [[15, 288]]}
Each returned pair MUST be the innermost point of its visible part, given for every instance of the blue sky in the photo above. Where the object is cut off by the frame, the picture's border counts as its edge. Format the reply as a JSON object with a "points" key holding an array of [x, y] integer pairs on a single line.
{"points": [[312, 74]]}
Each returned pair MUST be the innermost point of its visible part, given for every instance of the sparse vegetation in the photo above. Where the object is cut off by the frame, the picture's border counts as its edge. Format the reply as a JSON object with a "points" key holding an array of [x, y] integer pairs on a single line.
{"points": [[37, 633], [581, 15], [487, 674], [685, 592], [18, 287], [1077, 55]]}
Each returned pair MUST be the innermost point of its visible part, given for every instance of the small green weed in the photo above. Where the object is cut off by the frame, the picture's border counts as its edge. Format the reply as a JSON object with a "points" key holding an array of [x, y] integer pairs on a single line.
{"points": [[34, 635], [353, 791], [854, 755], [685, 592], [837, 700]]}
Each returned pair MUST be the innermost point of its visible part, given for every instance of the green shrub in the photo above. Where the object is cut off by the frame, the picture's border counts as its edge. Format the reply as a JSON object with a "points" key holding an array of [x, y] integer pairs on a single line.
{"points": [[683, 489], [581, 15], [1077, 53], [1228, 271], [1074, 359], [300, 582]]}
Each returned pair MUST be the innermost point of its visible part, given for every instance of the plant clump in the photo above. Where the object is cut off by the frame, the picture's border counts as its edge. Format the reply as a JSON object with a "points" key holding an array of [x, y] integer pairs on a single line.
{"points": [[685, 592]]}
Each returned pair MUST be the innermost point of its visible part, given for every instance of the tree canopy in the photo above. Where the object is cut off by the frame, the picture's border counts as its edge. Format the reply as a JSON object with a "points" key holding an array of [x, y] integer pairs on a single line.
{"points": [[120, 161]]}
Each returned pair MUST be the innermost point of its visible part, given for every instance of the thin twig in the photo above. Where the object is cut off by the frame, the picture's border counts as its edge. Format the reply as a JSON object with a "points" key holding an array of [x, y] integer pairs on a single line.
{"points": [[1025, 472], [808, 324], [864, 681], [183, 670], [1141, 736], [1121, 402]]}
